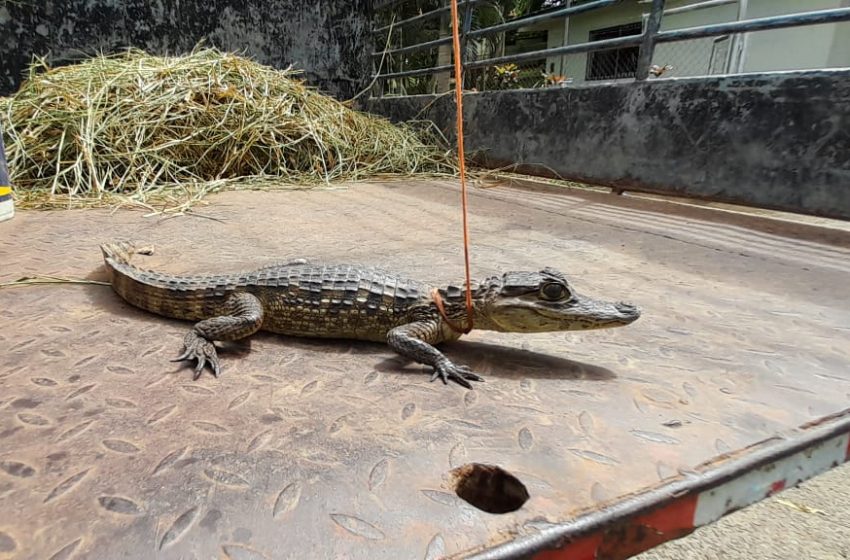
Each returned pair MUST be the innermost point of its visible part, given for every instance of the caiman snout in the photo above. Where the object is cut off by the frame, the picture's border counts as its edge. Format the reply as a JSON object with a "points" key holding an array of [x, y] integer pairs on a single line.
{"points": [[629, 310]]}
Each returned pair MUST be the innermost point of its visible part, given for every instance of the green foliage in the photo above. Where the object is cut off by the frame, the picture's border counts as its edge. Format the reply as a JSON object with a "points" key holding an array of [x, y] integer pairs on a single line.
{"points": [[505, 76], [485, 14]]}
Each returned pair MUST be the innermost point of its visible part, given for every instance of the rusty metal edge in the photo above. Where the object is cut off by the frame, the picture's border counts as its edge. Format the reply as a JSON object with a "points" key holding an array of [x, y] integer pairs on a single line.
{"points": [[705, 477]]}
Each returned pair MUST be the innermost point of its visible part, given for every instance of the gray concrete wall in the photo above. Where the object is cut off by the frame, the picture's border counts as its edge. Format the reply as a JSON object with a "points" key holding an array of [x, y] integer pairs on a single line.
{"points": [[777, 141], [327, 39]]}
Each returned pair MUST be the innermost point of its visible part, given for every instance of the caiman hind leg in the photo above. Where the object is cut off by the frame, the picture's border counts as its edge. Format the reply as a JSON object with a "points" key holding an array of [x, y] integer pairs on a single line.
{"points": [[416, 340], [243, 317]]}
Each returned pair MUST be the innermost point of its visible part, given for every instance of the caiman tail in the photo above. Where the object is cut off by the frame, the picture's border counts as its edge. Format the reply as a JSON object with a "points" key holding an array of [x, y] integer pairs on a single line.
{"points": [[118, 251], [178, 297]]}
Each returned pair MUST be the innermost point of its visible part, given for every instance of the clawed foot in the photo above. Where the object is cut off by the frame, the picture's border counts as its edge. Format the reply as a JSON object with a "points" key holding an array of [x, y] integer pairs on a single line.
{"points": [[201, 349], [459, 374]]}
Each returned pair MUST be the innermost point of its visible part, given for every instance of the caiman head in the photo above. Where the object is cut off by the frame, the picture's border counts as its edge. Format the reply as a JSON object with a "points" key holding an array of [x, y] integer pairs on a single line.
{"points": [[531, 302]]}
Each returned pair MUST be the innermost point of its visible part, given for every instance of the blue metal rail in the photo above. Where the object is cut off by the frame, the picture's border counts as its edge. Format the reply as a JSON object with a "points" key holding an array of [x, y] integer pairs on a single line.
{"points": [[647, 40]]}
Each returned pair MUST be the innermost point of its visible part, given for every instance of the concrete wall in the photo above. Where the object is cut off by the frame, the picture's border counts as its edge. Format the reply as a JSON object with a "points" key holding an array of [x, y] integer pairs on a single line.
{"points": [[796, 48], [774, 141], [328, 39], [839, 54]]}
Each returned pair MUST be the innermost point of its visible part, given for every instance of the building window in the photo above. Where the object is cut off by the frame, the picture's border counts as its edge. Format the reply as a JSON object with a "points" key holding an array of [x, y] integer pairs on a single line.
{"points": [[615, 63]]}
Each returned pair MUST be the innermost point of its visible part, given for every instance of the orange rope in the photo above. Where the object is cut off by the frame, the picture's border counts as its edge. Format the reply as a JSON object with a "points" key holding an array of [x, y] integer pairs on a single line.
{"points": [[461, 162], [438, 300]]}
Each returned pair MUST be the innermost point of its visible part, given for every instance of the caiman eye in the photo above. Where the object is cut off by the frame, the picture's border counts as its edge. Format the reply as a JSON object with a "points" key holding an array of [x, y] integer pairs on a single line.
{"points": [[554, 292]]}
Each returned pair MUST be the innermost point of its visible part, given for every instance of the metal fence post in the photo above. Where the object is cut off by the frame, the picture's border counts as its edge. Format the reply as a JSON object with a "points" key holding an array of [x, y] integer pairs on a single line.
{"points": [[467, 26], [444, 56], [380, 83], [741, 40], [647, 47], [644, 42]]}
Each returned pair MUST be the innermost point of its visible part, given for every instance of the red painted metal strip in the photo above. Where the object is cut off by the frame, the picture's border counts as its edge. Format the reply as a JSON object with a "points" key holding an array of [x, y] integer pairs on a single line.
{"points": [[769, 479], [637, 534], [632, 536], [583, 549], [641, 533], [621, 529], [777, 486]]}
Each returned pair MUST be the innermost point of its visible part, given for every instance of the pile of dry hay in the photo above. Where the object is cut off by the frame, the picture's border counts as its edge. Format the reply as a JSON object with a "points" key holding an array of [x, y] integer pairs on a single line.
{"points": [[143, 129]]}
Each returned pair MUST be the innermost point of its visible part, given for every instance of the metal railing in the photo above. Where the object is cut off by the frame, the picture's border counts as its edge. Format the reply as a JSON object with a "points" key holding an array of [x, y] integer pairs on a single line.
{"points": [[647, 40]]}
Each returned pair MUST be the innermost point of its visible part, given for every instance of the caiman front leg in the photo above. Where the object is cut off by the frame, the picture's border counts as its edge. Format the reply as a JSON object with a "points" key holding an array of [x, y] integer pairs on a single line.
{"points": [[243, 317], [416, 340]]}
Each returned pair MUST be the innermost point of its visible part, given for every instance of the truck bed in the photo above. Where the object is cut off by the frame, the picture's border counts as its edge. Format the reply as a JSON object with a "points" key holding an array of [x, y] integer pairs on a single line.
{"points": [[733, 384]]}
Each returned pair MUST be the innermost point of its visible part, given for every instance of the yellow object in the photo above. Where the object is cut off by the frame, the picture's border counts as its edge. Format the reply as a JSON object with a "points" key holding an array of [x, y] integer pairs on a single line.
{"points": [[7, 204]]}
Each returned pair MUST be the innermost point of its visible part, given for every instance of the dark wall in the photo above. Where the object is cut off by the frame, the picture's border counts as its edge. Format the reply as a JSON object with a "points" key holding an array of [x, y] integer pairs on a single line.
{"points": [[774, 140], [329, 39]]}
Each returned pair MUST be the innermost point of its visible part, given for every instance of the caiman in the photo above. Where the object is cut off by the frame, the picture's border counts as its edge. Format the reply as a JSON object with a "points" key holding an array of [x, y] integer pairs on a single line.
{"points": [[297, 298]]}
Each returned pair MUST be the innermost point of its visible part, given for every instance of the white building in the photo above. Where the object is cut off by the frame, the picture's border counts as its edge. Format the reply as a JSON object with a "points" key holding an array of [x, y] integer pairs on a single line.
{"points": [[798, 48]]}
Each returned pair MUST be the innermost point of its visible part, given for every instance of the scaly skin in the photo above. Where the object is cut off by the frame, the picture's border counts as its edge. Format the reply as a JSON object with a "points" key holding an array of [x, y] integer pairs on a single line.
{"points": [[297, 298]]}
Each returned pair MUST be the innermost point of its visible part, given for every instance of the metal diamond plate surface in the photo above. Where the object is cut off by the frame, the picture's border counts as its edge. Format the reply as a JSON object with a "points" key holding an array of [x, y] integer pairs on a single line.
{"points": [[325, 449]]}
